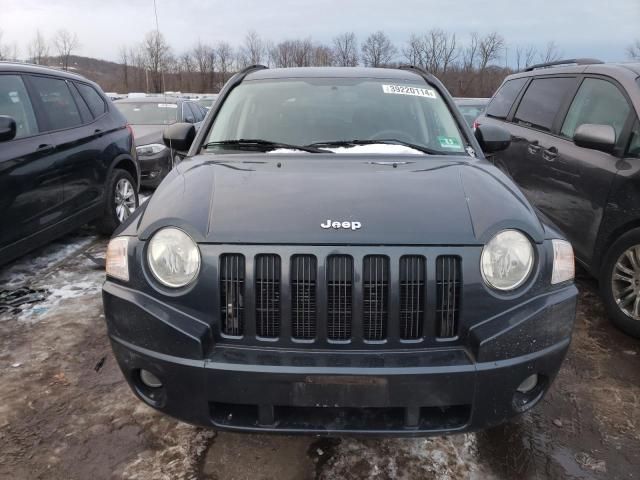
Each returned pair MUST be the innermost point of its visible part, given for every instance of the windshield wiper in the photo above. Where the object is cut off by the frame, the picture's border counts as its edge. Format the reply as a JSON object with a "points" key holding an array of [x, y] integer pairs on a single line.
{"points": [[265, 145], [390, 141]]}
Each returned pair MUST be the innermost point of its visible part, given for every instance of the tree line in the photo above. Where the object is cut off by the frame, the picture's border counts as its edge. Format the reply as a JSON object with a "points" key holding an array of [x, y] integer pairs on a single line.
{"points": [[470, 66]]}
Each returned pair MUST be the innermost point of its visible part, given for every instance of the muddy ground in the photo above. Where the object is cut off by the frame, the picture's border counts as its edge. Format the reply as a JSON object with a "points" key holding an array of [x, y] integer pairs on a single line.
{"points": [[66, 412]]}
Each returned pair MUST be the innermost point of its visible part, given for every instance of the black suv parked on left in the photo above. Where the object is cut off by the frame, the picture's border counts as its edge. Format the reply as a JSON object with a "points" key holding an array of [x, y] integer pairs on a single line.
{"points": [[66, 158]]}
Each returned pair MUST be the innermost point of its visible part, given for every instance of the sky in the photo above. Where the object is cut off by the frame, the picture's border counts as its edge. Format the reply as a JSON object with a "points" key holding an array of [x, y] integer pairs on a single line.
{"points": [[581, 28]]}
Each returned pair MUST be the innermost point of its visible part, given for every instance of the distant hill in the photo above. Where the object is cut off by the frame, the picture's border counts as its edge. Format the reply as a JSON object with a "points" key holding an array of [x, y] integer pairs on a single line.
{"points": [[109, 75]]}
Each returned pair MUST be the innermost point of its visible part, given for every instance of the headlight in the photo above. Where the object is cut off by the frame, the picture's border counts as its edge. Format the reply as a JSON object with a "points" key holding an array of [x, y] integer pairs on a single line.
{"points": [[507, 260], [564, 267], [117, 261], [151, 149], [174, 258]]}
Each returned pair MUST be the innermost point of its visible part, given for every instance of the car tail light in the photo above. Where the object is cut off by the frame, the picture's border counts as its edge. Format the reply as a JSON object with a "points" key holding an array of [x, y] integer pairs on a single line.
{"points": [[475, 125], [130, 130]]}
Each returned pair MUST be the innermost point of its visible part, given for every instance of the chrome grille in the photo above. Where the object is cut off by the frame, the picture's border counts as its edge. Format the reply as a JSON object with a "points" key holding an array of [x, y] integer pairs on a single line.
{"points": [[412, 296], [303, 296], [267, 280], [448, 281], [376, 297], [339, 296], [232, 293]]}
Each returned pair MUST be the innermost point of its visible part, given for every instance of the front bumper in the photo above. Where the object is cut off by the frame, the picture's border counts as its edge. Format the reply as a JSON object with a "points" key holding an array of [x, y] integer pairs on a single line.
{"points": [[153, 168], [410, 392]]}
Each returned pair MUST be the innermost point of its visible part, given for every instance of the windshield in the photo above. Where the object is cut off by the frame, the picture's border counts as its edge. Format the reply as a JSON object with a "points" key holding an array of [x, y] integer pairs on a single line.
{"points": [[327, 110], [149, 113]]}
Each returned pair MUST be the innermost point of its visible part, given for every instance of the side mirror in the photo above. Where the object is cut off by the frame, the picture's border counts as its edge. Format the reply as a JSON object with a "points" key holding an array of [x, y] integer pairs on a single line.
{"points": [[596, 137], [179, 136], [492, 138], [8, 128]]}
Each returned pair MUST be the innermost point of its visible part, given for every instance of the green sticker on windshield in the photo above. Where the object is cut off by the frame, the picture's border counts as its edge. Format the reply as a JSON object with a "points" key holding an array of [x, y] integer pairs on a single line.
{"points": [[449, 142]]}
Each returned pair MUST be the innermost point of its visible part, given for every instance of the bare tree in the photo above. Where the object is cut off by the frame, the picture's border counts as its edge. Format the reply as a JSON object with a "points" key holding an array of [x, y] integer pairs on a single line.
{"points": [[489, 49], [123, 54], [187, 66], [8, 51], [322, 56], [345, 50], [470, 55], [38, 48], [378, 50], [633, 50], [525, 56], [65, 43], [302, 52], [224, 54], [413, 52], [551, 53], [253, 49], [204, 57], [157, 52]]}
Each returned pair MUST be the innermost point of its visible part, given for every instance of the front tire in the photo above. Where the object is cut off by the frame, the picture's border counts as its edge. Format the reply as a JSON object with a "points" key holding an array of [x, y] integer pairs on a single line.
{"points": [[620, 283], [121, 200]]}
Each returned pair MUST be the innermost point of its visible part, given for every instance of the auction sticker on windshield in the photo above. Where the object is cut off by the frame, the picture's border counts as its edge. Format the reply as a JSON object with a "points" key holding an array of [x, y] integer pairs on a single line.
{"points": [[405, 90], [167, 105]]}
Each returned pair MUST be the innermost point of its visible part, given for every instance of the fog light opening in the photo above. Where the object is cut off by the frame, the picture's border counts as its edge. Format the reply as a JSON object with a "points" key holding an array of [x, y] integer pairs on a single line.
{"points": [[149, 379], [150, 388], [528, 384], [529, 392]]}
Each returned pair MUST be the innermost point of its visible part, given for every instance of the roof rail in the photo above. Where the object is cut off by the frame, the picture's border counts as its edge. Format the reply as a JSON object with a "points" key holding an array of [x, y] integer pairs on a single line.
{"points": [[251, 68], [569, 61]]}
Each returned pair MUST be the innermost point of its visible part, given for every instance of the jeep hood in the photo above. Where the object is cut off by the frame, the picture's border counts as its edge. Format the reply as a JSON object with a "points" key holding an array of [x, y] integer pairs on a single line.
{"points": [[284, 199]]}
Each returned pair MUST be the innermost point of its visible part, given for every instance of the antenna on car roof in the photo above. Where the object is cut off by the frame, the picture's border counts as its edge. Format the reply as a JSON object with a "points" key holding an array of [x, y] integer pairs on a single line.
{"points": [[569, 61]]}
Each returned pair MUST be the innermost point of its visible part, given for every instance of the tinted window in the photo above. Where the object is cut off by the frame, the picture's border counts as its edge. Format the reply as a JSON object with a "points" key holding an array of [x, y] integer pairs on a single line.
{"points": [[57, 102], [634, 142], [597, 101], [312, 110], [471, 112], [15, 102], [202, 110], [542, 100], [87, 117], [93, 99], [501, 102], [187, 113], [196, 112], [149, 113]]}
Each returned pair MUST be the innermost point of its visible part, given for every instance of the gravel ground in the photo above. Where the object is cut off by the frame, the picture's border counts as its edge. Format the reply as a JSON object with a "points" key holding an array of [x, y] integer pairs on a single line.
{"points": [[66, 412]]}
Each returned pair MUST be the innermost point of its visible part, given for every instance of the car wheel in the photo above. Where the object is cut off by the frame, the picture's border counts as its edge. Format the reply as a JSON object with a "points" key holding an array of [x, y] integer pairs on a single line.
{"points": [[121, 200], [620, 283]]}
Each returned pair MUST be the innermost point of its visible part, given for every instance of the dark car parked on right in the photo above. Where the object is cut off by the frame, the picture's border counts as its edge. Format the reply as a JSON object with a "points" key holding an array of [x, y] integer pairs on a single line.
{"points": [[575, 153]]}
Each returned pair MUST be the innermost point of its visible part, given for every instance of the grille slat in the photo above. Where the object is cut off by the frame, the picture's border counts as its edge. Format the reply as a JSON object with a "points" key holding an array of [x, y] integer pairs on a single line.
{"points": [[270, 302], [376, 295], [412, 298], [267, 279], [448, 281], [232, 294], [340, 299], [303, 300]]}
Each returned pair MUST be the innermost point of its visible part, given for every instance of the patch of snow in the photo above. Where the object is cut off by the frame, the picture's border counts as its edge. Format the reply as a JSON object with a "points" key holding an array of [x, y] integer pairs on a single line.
{"points": [[378, 148], [373, 149], [35, 263]]}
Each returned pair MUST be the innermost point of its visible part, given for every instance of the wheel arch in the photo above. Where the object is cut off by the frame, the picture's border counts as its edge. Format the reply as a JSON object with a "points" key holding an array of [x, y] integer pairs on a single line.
{"points": [[607, 241], [125, 162]]}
